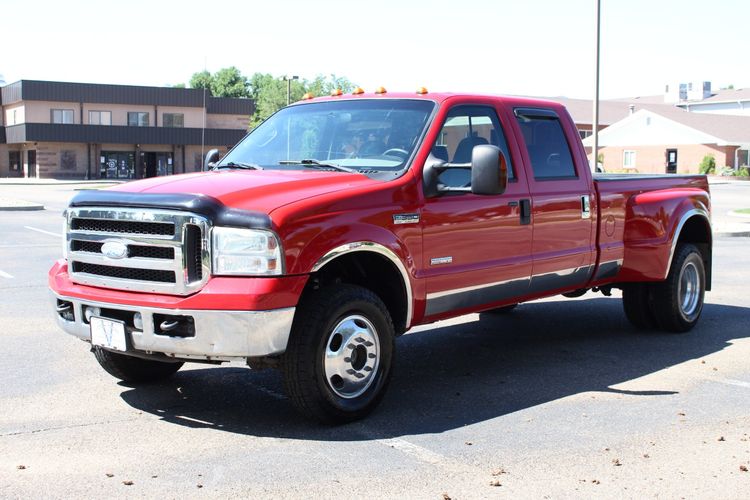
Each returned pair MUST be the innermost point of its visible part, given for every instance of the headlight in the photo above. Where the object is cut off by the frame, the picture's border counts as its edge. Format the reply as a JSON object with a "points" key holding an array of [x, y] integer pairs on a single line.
{"points": [[245, 251]]}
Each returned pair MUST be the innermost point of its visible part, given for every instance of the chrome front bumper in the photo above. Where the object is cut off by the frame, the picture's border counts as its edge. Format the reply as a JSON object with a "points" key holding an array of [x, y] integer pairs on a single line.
{"points": [[219, 335]]}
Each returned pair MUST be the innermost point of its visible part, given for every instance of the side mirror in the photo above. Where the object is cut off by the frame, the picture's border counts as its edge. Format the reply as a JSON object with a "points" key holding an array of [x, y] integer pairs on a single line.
{"points": [[211, 158], [489, 170]]}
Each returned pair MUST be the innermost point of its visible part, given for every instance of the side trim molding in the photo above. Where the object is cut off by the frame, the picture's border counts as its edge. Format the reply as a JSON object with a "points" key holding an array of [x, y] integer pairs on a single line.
{"points": [[370, 246]]}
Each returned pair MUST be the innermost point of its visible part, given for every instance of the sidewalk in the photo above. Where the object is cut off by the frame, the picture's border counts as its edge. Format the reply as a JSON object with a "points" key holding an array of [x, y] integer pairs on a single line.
{"points": [[10, 181], [10, 205]]}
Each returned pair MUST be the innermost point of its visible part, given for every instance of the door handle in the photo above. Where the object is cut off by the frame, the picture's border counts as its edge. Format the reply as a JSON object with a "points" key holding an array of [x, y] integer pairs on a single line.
{"points": [[585, 207], [525, 211]]}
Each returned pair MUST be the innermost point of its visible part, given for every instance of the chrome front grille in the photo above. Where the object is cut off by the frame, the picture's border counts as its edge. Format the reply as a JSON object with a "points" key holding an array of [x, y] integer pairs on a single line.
{"points": [[162, 251]]}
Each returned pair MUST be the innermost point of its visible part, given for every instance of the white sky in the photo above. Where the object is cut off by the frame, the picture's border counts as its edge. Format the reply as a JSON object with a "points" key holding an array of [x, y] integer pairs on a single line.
{"points": [[528, 47]]}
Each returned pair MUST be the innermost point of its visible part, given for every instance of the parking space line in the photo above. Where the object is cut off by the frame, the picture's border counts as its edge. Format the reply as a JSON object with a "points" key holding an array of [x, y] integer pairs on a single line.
{"points": [[58, 235], [3, 274], [417, 452], [729, 381]]}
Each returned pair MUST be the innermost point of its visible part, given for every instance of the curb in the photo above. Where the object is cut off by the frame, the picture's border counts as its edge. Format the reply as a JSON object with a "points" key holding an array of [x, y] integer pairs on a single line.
{"points": [[52, 182], [21, 208], [739, 234]]}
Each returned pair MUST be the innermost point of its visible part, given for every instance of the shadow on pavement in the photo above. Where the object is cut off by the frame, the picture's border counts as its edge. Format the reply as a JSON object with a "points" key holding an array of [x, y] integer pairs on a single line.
{"points": [[457, 375]]}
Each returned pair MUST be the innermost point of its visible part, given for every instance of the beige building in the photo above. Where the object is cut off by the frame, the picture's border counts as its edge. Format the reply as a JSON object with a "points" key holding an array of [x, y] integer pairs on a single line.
{"points": [[79, 130], [674, 141]]}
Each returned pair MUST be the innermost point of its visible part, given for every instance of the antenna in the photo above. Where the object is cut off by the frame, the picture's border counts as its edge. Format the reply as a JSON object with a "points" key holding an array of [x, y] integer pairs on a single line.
{"points": [[203, 127]]}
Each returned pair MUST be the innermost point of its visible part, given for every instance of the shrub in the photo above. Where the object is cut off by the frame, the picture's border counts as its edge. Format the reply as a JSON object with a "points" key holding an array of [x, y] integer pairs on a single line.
{"points": [[743, 171], [707, 165]]}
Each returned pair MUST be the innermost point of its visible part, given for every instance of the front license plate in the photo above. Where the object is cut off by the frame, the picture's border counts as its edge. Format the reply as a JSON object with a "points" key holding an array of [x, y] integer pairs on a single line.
{"points": [[108, 333]]}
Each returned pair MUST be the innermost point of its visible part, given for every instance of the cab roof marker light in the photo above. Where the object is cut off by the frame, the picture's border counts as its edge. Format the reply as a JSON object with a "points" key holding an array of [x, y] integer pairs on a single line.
{"points": [[358, 91], [307, 96], [336, 93], [422, 90], [380, 90]]}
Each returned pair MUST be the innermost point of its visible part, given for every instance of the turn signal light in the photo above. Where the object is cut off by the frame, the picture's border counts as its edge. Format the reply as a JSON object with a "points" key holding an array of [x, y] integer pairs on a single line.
{"points": [[422, 90], [336, 92], [380, 90], [358, 91]]}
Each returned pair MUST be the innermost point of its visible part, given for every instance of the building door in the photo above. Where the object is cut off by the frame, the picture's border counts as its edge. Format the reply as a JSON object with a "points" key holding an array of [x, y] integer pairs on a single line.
{"points": [[671, 161], [117, 165], [149, 164], [16, 169], [31, 162], [164, 164]]}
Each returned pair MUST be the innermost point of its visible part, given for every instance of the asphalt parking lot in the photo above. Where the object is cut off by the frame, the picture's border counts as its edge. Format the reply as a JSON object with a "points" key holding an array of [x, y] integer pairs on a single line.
{"points": [[560, 398]]}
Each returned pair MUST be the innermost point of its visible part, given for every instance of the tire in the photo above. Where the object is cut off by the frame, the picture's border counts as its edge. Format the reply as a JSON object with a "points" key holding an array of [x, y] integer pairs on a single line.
{"points": [[338, 361], [678, 301], [132, 369], [636, 301]]}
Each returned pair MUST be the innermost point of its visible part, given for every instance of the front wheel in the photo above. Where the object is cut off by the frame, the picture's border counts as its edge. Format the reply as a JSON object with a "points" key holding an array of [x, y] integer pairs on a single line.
{"points": [[678, 301], [132, 369], [338, 361]]}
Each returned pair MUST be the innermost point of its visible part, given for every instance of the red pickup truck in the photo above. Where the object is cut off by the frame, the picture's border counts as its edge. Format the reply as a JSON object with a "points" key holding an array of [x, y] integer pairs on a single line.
{"points": [[342, 222]]}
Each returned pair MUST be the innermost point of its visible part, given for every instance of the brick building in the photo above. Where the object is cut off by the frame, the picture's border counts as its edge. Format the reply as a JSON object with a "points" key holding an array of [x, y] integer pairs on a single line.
{"points": [[81, 130], [673, 140]]}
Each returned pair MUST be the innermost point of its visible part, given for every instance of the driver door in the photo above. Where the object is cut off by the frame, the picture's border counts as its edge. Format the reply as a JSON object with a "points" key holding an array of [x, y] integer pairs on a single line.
{"points": [[477, 248]]}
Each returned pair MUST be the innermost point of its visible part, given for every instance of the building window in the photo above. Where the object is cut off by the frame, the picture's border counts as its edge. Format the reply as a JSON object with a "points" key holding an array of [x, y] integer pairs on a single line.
{"points": [[100, 118], [628, 159], [584, 133], [173, 120], [62, 116], [137, 119]]}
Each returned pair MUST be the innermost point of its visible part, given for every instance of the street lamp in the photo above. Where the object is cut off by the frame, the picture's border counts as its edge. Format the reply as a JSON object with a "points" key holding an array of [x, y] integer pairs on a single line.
{"points": [[288, 79], [595, 124]]}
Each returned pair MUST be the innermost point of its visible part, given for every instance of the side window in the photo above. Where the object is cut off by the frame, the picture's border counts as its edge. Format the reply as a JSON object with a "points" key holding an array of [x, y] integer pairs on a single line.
{"points": [[464, 128], [548, 149]]}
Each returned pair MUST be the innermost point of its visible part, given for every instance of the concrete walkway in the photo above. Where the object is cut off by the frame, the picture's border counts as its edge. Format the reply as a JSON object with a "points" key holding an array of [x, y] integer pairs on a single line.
{"points": [[12, 181]]}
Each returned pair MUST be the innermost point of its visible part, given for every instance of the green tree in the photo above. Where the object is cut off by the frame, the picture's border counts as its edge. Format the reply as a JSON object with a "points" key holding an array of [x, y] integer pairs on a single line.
{"points": [[230, 82], [201, 80], [707, 165], [227, 82], [270, 93], [267, 91]]}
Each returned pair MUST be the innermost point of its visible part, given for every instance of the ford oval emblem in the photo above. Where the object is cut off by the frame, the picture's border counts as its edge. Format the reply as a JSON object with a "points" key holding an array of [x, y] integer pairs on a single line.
{"points": [[114, 249]]}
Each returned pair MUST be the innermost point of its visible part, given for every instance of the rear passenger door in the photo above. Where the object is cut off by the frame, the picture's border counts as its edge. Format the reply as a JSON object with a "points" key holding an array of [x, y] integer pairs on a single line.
{"points": [[563, 246]]}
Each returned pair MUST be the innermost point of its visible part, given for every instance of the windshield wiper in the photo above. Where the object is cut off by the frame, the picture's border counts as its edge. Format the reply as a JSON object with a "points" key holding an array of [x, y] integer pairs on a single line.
{"points": [[313, 163], [234, 164]]}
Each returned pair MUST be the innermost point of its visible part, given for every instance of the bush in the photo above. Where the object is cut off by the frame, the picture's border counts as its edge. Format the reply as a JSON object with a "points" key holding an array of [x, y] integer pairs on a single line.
{"points": [[707, 165], [743, 171]]}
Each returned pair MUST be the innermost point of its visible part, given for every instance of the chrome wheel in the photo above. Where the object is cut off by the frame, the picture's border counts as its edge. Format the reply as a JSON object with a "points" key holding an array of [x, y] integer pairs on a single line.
{"points": [[689, 291], [351, 357]]}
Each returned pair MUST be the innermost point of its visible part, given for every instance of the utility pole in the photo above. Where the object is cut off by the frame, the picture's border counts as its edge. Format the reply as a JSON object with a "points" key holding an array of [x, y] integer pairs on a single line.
{"points": [[595, 124], [288, 79]]}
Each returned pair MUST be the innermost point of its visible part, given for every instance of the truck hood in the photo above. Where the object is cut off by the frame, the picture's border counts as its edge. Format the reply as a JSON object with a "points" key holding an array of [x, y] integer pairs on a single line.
{"points": [[258, 190]]}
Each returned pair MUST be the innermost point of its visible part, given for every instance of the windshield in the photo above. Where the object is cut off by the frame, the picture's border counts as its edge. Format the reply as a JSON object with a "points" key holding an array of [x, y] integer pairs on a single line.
{"points": [[367, 136]]}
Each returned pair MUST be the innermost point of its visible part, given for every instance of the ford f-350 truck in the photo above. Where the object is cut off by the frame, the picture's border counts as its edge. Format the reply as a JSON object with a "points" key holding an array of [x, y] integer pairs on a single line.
{"points": [[341, 222]]}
